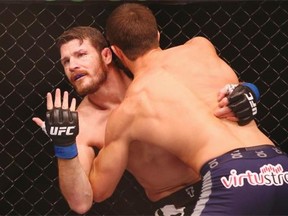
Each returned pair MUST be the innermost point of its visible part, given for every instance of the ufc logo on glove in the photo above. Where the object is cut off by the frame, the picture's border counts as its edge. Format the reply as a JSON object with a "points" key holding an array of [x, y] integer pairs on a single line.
{"points": [[252, 103], [63, 127], [60, 130]]}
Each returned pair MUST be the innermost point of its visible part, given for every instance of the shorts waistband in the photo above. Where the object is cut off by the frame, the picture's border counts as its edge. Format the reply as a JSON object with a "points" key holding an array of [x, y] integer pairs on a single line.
{"points": [[263, 151], [181, 197]]}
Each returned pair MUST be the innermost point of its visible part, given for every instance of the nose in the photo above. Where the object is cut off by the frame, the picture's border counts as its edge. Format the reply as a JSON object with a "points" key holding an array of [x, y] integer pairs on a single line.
{"points": [[73, 64]]}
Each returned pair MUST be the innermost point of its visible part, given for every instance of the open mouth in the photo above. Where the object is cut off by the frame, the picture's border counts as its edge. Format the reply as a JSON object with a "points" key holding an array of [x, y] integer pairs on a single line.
{"points": [[78, 76]]}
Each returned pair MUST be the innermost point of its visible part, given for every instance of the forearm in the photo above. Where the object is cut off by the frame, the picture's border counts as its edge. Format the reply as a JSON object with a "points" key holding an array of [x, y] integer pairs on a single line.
{"points": [[62, 126], [75, 185]]}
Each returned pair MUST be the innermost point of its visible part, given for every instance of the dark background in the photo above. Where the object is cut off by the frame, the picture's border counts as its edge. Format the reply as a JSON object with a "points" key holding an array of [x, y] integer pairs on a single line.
{"points": [[251, 36]]}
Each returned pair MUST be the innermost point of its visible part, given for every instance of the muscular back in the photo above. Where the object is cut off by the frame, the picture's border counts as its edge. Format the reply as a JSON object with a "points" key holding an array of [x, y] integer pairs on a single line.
{"points": [[171, 101]]}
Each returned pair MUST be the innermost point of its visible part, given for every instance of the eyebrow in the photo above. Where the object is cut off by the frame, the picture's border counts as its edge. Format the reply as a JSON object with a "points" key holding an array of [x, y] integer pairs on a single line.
{"points": [[75, 52], [63, 59]]}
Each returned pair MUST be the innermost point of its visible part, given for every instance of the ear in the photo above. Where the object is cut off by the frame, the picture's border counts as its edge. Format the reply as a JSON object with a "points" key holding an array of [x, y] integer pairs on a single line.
{"points": [[118, 52], [158, 35], [120, 55], [106, 55]]}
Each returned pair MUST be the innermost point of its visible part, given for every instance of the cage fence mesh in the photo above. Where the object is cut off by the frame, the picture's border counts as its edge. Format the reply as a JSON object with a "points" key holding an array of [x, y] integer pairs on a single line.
{"points": [[250, 35]]}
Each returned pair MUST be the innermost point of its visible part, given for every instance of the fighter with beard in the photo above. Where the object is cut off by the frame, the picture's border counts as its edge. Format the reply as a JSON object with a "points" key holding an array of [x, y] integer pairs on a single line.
{"points": [[89, 67]]}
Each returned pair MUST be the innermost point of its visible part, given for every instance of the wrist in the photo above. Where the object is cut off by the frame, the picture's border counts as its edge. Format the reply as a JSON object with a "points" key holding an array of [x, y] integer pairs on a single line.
{"points": [[254, 89], [66, 152]]}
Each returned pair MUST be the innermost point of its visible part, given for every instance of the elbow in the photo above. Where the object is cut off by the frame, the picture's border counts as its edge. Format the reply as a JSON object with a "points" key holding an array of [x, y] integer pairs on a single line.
{"points": [[80, 204], [100, 191], [80, 208], [101, 196]]}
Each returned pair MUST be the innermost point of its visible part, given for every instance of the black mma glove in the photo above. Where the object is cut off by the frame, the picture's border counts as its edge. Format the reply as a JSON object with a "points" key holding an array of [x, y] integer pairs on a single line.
{"points": [[242, 101], [62, 127]]}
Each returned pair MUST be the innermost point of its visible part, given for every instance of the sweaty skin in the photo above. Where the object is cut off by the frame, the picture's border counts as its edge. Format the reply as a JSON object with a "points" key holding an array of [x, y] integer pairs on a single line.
{"points": [[164, 116], [158, 171]]}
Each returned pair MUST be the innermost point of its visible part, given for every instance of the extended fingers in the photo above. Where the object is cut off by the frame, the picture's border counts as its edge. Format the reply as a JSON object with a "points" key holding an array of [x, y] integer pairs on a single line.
{"points": [[65, 103], [73, 104], [49, 101], [65, 100], [38, 121], [58, 102]]}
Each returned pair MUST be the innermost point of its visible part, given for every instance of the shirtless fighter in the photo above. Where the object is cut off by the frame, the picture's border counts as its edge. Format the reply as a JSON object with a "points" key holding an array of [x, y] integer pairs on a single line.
{"points": [[167, 113], [88, 65]]}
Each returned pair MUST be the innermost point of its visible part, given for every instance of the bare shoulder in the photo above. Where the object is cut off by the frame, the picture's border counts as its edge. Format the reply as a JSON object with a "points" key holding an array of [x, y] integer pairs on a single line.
{"points": [[202, 42], [199, 39]]}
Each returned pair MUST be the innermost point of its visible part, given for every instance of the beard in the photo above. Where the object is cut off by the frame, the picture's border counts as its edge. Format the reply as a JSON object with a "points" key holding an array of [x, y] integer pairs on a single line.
{"points": [[90, 84]]}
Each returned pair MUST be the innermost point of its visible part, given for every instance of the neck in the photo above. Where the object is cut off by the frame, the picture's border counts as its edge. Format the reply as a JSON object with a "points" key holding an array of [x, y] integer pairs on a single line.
{"points": [[111, 92], [143, 62]]}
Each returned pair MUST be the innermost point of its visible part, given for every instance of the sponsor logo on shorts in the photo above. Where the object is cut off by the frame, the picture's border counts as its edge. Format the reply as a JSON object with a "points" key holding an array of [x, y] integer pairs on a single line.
{"points": [[190, 191], [268, 175]]}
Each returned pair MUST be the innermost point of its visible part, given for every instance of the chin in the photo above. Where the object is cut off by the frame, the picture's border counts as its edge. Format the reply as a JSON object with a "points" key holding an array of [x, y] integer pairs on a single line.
{"points": [[90, 86], [83, 91], [87, 89]]}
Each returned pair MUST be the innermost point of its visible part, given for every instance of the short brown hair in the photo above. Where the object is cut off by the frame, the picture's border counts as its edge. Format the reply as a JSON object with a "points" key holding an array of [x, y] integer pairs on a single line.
{"points": [[84, 32], [133, 28]]}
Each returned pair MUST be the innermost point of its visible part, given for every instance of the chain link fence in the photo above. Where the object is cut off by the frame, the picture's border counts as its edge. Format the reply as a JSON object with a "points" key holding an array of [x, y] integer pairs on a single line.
{"points": [[252, 36]]}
